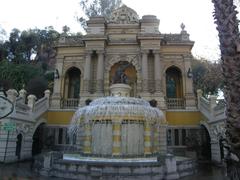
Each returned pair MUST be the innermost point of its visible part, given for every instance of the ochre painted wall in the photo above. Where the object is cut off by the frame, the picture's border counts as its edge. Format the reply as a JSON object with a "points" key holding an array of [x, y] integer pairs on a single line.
{"points": [[173, 117], [183, 117], [59, 117]]}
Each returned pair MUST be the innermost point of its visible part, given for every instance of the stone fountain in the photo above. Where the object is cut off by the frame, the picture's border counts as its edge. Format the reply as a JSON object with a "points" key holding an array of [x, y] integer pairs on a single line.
{"points": [[117, 137], [119, 126]]}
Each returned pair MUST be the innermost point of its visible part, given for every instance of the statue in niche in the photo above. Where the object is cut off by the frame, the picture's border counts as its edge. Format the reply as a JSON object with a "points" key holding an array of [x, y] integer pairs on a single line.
{"points": [[120, 75], [171, 88]]}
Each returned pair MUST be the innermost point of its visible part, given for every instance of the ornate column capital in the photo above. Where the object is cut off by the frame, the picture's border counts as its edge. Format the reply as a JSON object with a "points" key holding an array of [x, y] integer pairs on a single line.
{"points": [[156, 51], [144, 51], [100, 51]]}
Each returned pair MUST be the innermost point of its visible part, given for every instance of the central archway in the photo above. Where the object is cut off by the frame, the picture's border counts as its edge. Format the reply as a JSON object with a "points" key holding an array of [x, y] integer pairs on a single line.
{"points": [[131, 74]]}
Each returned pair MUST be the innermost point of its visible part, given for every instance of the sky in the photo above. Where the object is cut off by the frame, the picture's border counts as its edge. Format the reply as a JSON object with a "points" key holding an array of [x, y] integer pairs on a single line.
{"points": [[197, 15]]}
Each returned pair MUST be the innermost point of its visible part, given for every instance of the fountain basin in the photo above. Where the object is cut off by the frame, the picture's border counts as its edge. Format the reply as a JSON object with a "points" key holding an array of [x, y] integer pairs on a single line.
{"points": [[80, 167]]}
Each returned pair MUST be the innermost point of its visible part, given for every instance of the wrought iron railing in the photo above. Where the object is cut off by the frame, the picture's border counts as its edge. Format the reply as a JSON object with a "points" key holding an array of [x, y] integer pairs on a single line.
{"points": [[70, 103], [175, 103]]}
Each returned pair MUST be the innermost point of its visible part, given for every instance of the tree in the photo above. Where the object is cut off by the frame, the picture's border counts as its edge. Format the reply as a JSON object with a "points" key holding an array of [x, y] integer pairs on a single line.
{"points": [[207, 76], [225, 15], [97, 8], [16, 75]]}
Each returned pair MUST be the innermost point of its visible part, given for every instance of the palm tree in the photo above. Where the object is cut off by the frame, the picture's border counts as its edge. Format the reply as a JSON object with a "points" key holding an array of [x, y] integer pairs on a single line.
{"points": [[227, 25]]}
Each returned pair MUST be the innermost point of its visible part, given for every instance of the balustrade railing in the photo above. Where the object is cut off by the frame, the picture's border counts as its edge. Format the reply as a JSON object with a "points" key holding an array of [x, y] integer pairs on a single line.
{"points": [[175, 103], [211, 109], [70, 103]]}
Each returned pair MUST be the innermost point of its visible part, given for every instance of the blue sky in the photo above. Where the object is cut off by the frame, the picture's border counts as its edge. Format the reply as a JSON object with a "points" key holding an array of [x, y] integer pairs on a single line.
{"points": [[195, 14]]}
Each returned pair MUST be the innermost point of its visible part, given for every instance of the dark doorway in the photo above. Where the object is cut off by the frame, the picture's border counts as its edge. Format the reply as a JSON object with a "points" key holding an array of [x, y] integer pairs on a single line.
{"points": [[38, 140], [19, 146], [205, 144]]}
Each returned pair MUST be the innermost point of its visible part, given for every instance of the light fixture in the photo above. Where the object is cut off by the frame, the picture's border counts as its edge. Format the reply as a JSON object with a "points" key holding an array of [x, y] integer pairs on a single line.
{"points": [[189, 73], [56, 74]]}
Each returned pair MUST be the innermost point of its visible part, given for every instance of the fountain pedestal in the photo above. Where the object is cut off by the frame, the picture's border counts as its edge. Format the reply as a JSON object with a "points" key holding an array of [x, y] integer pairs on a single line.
{"points": [[120, 90]]}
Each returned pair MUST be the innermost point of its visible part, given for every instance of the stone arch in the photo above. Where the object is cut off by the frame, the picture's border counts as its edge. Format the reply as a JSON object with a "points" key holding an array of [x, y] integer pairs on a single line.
{"points": [[72, 65], [205, 148], [130, 76], [113, 59], [38, 137]]}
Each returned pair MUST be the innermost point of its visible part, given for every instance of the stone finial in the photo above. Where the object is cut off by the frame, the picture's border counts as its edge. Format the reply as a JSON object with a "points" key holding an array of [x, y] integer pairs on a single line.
{"points": [[22, 94], [199, 93], [31, 100], [182, 27], [47, 94], [184, 34], [12, 95]]}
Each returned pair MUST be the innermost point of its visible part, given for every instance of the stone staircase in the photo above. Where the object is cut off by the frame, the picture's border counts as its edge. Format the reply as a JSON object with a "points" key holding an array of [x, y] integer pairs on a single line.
{"points": [[213, 111], [24, 120]]}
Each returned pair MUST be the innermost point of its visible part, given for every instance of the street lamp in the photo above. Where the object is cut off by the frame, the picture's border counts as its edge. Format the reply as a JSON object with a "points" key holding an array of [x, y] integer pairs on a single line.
{"points": [[189, 73], [56, 74]]}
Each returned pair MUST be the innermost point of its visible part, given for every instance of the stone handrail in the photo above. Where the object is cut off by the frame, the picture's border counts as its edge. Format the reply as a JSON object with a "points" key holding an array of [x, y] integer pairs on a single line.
{"points": [[27, 108], [211, 108], [40, 107]]}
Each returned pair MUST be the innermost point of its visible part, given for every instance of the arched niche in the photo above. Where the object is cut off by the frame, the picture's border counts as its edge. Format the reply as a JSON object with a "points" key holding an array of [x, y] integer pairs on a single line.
{"points": [[130, 73], [72, 82], [174, 82]]}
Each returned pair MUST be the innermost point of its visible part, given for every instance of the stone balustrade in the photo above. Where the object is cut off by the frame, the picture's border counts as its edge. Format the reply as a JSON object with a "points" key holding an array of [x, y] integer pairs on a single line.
{"points": [[212, 108]]}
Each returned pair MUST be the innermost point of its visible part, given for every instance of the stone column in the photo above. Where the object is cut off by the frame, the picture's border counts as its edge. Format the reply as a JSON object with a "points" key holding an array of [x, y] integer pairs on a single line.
{"points": [[56, 97], [157, 72], [156, 138], [147, 138], [162, 139], [189, 95], [145, 71], [100, 72], [87, 73], [87, 139], [116, 147]]}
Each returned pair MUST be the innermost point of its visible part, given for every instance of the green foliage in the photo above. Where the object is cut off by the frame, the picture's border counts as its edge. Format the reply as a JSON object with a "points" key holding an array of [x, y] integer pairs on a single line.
{"points": [[21, 46], [207, 76], [97, 8], [17, 66], [16, 75], [37, 86]]}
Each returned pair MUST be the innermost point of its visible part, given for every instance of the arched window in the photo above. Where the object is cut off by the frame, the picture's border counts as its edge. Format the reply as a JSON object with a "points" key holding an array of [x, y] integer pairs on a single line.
{"points": [[174, 88], [72, 83], [72, 88]]}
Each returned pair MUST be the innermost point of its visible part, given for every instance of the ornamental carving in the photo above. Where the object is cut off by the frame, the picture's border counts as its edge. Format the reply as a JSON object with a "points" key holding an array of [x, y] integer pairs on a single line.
{"points": [[124, 15]]}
